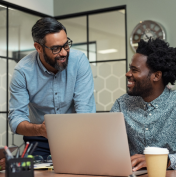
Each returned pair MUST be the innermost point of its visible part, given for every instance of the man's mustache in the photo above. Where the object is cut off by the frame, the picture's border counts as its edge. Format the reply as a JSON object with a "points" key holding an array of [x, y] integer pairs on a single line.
{"points": [[60, 58]]}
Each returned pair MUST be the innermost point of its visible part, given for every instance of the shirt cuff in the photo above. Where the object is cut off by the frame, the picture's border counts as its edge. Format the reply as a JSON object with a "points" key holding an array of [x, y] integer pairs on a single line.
{"points": [[15, 122]]}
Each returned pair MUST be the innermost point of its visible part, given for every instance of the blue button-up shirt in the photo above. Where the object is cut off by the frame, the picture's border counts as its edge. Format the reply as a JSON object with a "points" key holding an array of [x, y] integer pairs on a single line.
{"points": [[150, 124], [34, 91]]}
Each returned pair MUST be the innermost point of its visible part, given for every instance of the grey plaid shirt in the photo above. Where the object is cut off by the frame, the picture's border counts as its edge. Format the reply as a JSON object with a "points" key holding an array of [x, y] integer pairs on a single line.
{"points": [[150, 124]]}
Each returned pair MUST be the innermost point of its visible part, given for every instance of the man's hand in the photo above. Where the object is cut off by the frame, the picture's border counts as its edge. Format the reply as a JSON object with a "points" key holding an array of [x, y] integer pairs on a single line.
{"points": [[138, 161], [43, 130], [2, 164]]}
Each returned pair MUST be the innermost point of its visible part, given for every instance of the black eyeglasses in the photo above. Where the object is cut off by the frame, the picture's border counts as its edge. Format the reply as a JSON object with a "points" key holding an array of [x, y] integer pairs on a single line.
{"points": [[57, 49]]}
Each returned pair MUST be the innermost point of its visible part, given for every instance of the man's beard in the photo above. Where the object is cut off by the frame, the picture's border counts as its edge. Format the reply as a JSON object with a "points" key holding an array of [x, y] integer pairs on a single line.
{"points": [[141, 88], [54, 63]]}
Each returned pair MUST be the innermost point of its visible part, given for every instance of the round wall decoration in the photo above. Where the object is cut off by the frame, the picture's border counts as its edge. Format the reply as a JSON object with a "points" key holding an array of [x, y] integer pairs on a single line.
{"points": [[144, 30]]}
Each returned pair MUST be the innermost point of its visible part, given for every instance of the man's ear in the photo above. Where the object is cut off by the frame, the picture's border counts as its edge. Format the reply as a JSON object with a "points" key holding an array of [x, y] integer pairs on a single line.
{"points": [[157, 76], [38, 47]]}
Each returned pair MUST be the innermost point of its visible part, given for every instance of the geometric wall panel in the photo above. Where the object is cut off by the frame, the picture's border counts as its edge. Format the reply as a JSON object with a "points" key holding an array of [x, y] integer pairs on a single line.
{"points": [[109, 83], [3, 85], [3, 129]]}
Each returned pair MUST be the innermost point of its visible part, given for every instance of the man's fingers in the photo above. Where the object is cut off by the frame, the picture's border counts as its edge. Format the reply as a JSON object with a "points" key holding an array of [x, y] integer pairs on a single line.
{"points": [[140, 165], [138, 160]]}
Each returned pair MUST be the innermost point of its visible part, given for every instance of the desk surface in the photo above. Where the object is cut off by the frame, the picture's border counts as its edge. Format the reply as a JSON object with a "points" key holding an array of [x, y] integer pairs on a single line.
{"points": [[46, 173]]}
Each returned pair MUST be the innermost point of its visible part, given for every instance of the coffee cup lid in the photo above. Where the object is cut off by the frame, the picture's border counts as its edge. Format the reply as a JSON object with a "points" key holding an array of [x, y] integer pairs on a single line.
{"points": [[156, 150]]}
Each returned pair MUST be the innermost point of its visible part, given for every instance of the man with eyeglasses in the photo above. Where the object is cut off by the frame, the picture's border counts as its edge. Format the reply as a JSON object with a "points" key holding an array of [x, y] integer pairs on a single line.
{"points": [[54, 79]]}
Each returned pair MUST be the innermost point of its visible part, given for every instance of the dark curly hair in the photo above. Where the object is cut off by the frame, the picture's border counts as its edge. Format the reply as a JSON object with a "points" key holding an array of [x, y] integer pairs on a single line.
{"points": [[160, 57]]}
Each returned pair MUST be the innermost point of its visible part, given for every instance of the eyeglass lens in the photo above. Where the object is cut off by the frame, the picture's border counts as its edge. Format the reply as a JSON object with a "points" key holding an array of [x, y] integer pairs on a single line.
{"points": [[59, 48], [39, 159]]}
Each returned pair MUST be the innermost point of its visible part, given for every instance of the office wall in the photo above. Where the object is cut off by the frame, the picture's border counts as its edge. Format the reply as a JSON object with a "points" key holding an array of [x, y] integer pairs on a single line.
{"points": [[161, 11], [43, 6]]}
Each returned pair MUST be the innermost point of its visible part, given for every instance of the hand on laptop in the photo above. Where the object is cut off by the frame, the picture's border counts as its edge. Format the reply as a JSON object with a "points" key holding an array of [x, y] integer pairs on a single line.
{"points": [[138, 161], [43, 130]]}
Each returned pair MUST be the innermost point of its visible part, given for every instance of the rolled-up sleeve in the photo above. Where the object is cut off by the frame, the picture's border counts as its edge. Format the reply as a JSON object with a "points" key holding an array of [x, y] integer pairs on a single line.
{"points": [[84, 88], [19, 100]]}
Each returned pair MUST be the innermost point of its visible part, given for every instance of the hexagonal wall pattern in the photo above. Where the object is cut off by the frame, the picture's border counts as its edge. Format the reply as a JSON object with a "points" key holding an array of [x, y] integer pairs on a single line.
{"points": [[3, 92], [2, 129], [99, 83], [112, 83], [104, 97], [109, 83], [104, 70], [118, 68]]}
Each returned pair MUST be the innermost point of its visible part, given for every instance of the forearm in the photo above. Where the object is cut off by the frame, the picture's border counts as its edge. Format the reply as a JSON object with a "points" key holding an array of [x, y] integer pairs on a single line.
{"points": [[28, 129]]}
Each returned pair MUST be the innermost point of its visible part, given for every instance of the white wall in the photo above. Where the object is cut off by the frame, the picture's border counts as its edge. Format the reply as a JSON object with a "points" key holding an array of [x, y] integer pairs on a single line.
{"points": [[43, 6]]}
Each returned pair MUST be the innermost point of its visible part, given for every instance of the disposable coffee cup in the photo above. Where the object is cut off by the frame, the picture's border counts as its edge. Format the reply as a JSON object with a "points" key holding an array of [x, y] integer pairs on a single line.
{"points": [[156, 159]]}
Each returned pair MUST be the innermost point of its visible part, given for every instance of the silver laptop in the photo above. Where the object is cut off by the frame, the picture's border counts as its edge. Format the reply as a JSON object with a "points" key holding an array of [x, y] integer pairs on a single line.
{"points": [[90, 144]]}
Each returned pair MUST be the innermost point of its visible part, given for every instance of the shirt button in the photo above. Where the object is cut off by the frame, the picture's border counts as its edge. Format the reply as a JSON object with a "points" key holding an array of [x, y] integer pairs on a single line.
{"points": [[150, 114], [55, 77], [55, 93], [146, 129]]}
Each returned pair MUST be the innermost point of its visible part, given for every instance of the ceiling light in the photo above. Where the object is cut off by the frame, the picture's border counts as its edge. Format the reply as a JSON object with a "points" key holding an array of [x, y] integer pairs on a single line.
{"points": [[107, 51], [3, 6]]}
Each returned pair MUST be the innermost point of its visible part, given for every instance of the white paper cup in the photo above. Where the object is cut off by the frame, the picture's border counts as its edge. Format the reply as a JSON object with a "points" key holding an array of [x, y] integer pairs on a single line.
{"points": [[156, 159]]}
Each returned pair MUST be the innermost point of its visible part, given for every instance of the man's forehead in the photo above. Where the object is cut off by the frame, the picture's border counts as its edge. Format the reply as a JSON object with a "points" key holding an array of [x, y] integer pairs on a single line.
{"points": [[138, 60], [59, 38]]}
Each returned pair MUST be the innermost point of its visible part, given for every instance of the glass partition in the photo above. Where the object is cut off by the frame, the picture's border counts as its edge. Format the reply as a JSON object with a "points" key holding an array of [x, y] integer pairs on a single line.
{"points": [[20, 37], [3, 42], [76, 31], [108, 30]]}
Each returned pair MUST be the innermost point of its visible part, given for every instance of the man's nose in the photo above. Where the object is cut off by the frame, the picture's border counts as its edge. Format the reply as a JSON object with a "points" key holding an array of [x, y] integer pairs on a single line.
{"points": [[128, 74], [63, 52]]}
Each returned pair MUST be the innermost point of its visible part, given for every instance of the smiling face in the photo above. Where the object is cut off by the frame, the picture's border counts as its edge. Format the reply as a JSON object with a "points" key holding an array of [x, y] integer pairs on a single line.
{"points": [[139, 77], [54, 62]]}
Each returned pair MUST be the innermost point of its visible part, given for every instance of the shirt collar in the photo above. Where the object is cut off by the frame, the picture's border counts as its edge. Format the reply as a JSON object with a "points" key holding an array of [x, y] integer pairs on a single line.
{"points": [[41, 65], [161, 99], [156, 103]]}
